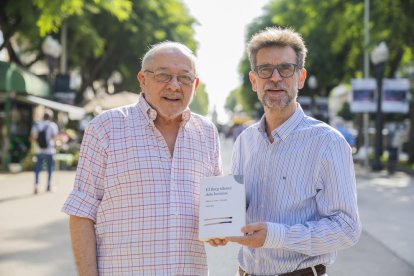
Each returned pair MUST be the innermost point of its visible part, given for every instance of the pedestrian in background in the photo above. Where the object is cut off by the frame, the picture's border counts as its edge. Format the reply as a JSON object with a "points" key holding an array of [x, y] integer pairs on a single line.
{"points": [[339, 124], [44, 133], [134, 207], [298, 171], [236, 130]]}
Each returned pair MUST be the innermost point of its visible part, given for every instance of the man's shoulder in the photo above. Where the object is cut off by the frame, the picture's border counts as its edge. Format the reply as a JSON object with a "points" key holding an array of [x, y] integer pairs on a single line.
{"points": [[251, 130], [320, 128], [119, 113], [54, 127], [42, 125]]}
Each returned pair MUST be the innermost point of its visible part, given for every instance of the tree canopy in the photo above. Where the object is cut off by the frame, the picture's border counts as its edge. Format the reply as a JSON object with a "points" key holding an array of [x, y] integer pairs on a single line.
{"points": [[333, 31], [200, 102], [103, 35]]}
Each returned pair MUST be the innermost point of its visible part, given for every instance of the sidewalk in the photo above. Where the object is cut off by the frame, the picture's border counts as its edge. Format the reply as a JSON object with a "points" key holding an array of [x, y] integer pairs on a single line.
{"points": [[386, 246], [34, 234]]}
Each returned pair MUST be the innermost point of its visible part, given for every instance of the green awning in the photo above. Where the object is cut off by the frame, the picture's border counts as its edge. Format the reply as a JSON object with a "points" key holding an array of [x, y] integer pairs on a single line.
{"points": [[16, 79]]}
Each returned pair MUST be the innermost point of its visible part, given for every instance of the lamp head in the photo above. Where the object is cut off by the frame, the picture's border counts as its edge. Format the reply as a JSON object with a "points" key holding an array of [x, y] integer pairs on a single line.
{"points": [[51, 47], [380, 53], [312, 82]]}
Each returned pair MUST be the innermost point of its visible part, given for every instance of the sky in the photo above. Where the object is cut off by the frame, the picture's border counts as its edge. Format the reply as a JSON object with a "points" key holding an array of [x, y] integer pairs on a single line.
{"points": [[221, 38]]}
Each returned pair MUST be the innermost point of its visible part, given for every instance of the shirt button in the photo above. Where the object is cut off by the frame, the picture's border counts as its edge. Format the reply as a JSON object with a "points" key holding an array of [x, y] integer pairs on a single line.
{"points": [[265, 178]]}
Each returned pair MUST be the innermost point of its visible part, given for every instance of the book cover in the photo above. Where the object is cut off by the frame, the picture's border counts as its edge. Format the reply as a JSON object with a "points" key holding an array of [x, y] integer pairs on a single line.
{"points": [[222, 207]]}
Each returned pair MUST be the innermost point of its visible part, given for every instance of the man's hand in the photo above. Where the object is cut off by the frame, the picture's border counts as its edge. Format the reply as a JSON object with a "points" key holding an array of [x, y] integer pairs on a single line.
{"points": [[217, 242], [255, 235]]}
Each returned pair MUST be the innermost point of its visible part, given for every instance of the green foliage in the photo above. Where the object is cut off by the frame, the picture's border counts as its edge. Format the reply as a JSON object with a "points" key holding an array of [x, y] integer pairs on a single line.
{"points": [[54, 12], [231, 100], [333, 31], [127, 41], [200, 101], [103, 35]]}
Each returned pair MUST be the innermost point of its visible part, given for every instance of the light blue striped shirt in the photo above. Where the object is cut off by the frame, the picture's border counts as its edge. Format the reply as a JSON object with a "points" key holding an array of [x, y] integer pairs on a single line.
{"points": [[303, 186]]}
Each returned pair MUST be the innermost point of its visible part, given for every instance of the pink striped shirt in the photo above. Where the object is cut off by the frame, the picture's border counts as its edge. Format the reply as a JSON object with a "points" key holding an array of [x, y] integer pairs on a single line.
{"points": [[143, 200]]}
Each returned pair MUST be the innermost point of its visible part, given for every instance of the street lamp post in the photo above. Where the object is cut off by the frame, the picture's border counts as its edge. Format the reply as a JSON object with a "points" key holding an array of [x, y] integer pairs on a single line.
{"points": [[52, 50], [378, 57]]}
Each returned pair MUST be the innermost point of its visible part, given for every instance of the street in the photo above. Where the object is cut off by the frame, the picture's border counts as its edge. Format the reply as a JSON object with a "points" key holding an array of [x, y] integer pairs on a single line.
{"points": [[34, 234]]}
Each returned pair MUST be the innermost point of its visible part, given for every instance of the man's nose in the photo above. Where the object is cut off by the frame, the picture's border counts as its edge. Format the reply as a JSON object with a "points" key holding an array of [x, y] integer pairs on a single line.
{"points": [[275, 75], [174, 83]]}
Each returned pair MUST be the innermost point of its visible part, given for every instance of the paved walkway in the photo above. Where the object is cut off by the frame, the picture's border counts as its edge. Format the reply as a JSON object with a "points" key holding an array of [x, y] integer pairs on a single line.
{"points": [[34, 234], [386, 247], [35, 241]]}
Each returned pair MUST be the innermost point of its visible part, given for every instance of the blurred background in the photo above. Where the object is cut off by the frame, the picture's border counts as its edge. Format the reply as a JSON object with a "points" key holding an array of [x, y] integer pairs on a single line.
{"points": [[79, 58]]}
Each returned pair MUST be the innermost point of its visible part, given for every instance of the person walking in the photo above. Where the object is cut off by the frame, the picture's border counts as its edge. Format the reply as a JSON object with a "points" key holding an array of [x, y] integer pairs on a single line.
{"points": [[44, 133], [134, 206], [298, 171], [339, 124]]}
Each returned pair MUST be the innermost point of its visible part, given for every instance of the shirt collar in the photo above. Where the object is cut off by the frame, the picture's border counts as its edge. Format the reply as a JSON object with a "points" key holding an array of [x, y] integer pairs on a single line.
{"points": [[284, 130], [151, 114]]}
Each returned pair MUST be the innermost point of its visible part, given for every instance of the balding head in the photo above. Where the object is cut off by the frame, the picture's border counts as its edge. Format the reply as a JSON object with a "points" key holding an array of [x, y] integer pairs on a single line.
{"points": [[165, 47]]}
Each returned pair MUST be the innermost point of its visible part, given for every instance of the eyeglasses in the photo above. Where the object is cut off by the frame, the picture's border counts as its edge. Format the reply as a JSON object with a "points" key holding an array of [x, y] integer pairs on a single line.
{"points": [[265, 71], [166, 78]]}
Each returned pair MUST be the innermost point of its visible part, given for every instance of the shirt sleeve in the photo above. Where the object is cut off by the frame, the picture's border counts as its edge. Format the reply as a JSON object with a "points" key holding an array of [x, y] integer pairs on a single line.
{"points": [[339, 225], [88, 190], [55, 129]]}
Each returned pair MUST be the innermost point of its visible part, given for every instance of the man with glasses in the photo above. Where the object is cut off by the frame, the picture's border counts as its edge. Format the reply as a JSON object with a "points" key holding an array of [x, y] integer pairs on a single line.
{"points": [[134, 207], [299, 174]]}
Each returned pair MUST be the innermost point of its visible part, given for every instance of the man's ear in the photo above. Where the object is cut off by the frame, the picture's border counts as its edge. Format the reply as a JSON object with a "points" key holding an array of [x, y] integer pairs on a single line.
{"points": [[253, 81], [302, 78], [141, 79], [197, 82]]}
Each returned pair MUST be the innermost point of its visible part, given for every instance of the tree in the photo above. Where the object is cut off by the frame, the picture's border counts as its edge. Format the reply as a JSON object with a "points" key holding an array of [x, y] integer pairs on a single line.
{"points": [[333, 31], [124, 43], [231, 100], [103, 35], [25, 23], [200, 101]]}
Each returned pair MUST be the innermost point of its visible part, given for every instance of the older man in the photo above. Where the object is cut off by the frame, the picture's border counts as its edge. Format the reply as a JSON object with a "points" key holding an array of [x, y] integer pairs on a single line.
{"points": [[134, 207]]}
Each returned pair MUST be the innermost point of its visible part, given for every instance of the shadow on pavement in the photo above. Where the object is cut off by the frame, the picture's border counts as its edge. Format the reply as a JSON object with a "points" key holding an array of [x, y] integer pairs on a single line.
{"points": [[43, 248], [11, 198]]}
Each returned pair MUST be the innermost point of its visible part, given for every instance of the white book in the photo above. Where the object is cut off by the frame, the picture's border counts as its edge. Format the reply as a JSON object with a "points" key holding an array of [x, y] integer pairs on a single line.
{"points": [[222, 210]]}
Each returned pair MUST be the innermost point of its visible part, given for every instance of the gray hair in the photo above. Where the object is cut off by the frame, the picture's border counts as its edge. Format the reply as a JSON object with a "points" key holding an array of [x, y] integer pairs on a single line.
{"points": [[277, 37], [149, 55]]}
